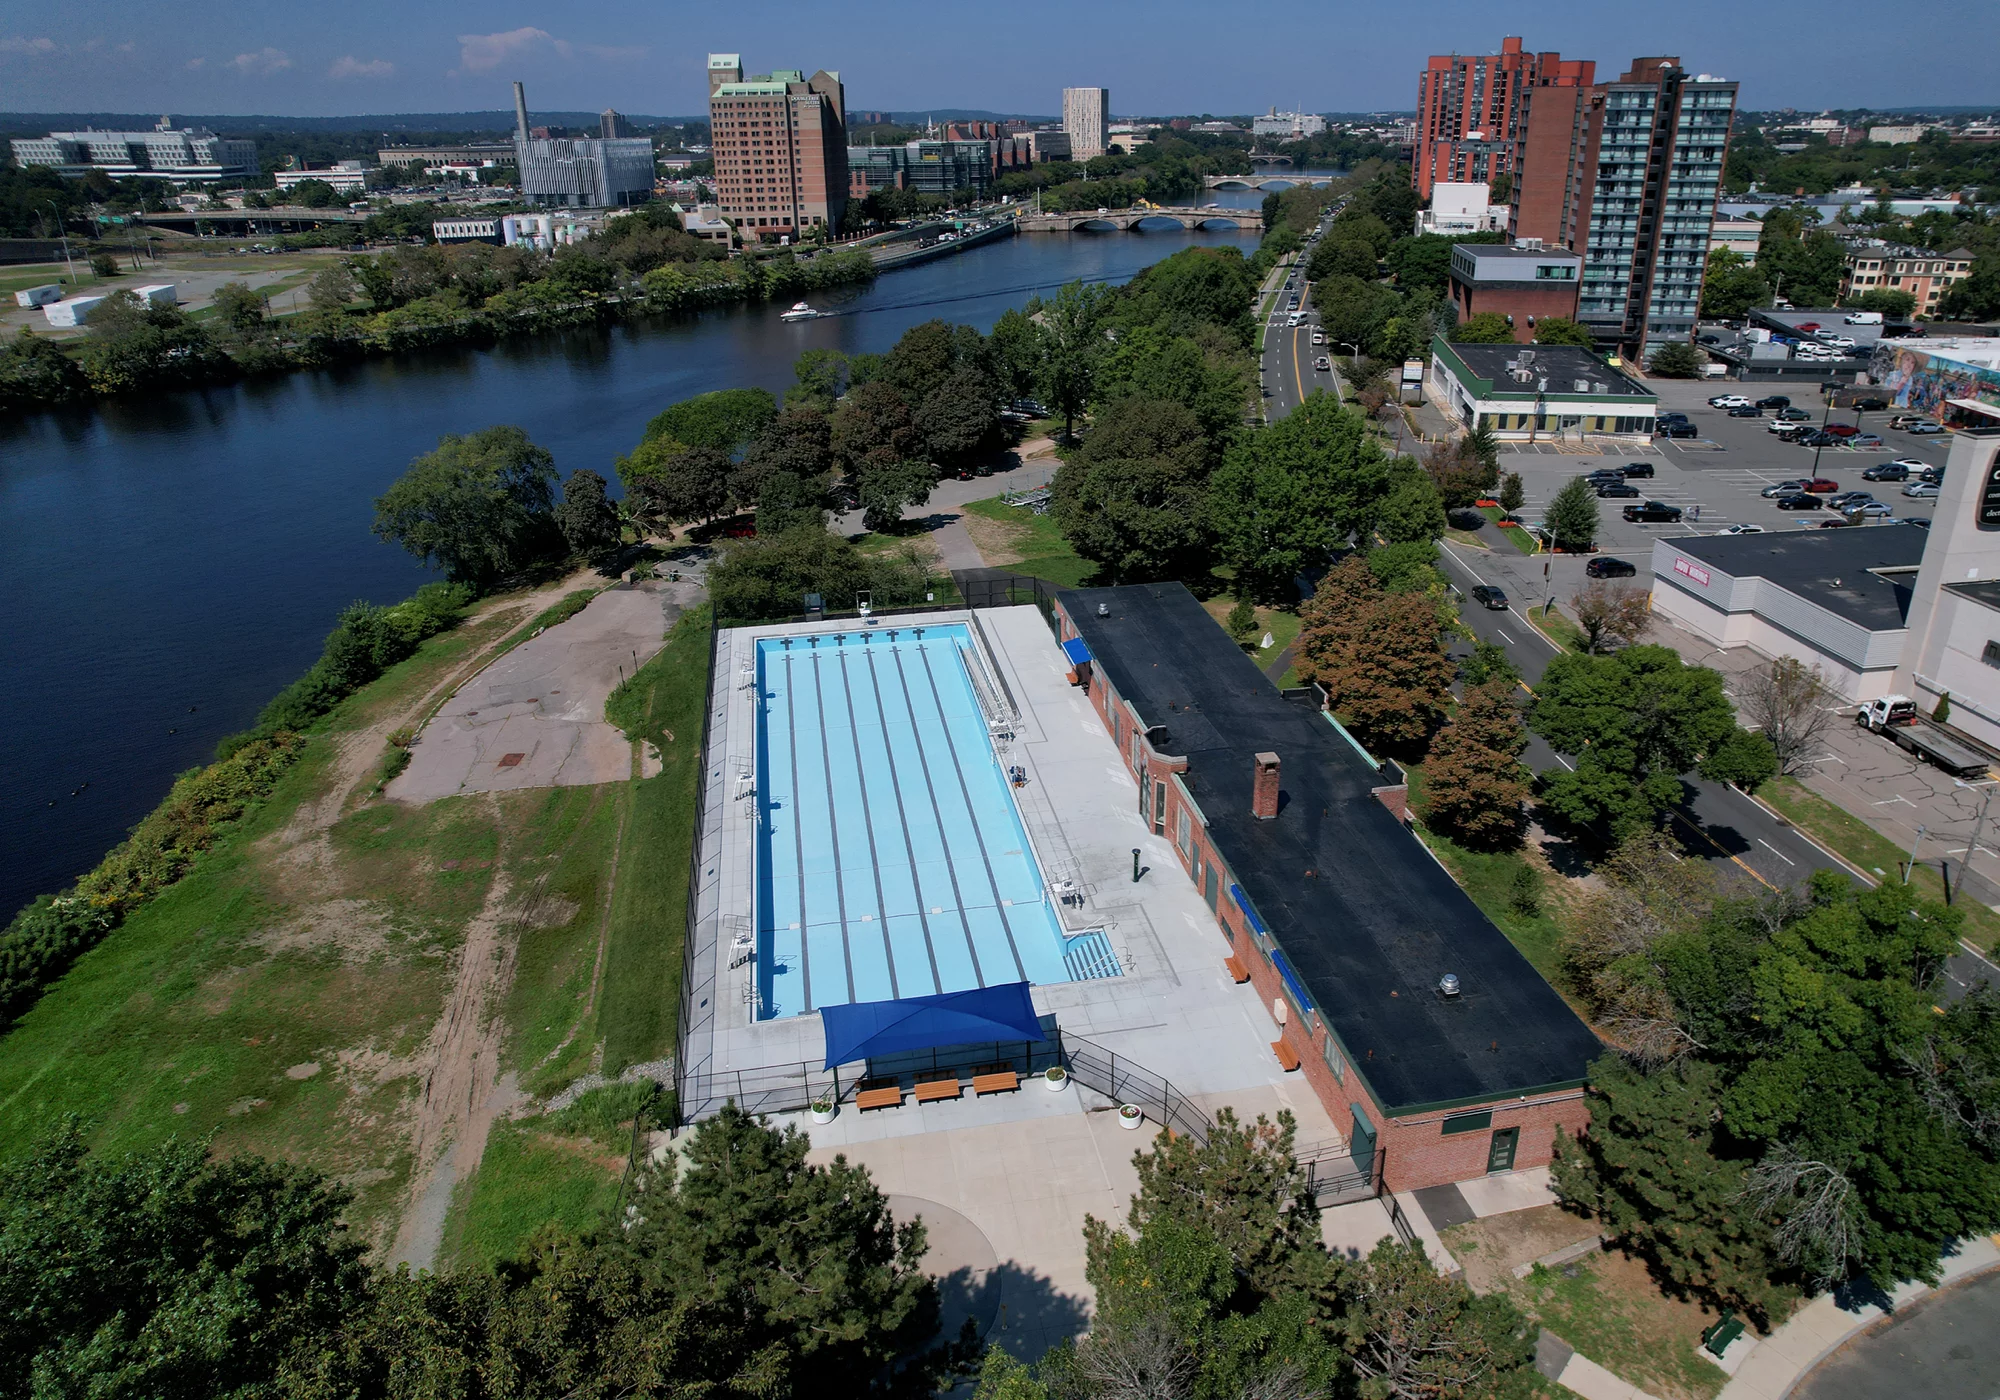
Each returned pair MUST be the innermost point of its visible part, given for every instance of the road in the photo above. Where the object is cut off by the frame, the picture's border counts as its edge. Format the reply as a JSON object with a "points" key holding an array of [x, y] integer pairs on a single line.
{"points": [[1943, 1347], [1749, 845]]}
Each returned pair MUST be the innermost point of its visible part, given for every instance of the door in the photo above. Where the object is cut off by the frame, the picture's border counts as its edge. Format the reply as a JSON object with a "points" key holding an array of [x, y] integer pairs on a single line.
{"points": [[1361, 1143], [1500, 1156]]}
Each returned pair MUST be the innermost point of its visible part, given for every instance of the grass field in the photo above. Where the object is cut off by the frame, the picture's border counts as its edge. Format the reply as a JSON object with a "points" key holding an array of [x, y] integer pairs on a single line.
{"points": [[1282, 627], [1012, 537]]}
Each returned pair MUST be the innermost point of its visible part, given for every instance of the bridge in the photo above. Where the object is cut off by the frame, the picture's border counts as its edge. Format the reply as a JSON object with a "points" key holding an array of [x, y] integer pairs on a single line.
{"points": [[1258, 182], [1050, 222]]}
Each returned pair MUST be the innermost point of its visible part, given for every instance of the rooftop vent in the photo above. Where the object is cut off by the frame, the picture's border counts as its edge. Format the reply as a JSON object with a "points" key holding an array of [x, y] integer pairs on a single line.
{"points": [[1600, 388], [1582, 386], [1104, 609], [1448, 985]]}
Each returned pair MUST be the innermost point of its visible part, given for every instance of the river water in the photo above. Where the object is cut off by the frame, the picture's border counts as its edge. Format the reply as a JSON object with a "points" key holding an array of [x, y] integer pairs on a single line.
{"points": [[171, 562]]}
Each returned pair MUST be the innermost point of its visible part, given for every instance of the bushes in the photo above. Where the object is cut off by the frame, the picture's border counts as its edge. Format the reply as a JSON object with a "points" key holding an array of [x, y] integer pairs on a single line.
{"points": [[768, 577], [41, 943], [366, 642]]}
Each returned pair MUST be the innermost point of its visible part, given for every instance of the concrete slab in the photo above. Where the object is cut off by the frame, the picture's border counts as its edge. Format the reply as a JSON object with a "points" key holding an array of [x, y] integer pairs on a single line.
{"points": [[535, 717], [1507, 1191], [1444, 1206]]}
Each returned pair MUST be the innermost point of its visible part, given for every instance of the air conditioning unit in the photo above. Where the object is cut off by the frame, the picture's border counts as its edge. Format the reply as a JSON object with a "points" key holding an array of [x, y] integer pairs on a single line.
{"points": [[1582, 386]]}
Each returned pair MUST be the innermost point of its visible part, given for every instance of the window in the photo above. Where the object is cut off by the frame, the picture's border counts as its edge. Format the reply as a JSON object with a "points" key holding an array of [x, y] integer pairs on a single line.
{"points": [[1555, 272], [1183, 833], [1468, 1122], [1333, 1060], [1991, 656]]}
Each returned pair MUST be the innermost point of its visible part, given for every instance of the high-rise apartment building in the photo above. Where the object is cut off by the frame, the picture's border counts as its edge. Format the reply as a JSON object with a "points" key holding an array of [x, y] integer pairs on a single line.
{"points": [[1627, 174], [1469, 110], [780, 145], [1087, 119]]}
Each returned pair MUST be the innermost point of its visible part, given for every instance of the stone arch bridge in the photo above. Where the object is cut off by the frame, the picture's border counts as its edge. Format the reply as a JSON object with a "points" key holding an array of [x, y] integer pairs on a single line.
{"points": [[1132, 218], [1258, 182]]}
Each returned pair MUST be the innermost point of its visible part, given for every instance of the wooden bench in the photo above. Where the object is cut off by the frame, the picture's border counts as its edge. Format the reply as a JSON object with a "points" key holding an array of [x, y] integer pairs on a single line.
{"points": [[995, 1079], [872, 1094], [1287, 1056], [934, 1090], [1238, 973]]}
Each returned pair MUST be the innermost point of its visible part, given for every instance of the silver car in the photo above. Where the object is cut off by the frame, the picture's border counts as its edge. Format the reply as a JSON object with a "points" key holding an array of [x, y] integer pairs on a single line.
{"points": [[1921, 490]]}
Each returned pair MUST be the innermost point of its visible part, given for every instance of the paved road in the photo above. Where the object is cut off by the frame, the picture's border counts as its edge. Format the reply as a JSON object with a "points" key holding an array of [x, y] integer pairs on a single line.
{"points": [[1944, 1347]]}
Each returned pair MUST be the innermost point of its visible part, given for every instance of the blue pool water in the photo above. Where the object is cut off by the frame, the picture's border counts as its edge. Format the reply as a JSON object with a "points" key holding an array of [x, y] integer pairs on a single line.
{"points": [[891, 860]]}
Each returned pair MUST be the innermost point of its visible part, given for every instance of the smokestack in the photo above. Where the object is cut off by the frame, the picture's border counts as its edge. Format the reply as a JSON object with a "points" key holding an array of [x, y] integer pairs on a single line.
{"points": [[520, 112], [1264, 788]]}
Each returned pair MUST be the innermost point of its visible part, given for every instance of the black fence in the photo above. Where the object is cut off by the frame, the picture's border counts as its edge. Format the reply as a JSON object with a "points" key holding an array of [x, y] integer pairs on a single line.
{"points": [[998, 588], [688, 966]]}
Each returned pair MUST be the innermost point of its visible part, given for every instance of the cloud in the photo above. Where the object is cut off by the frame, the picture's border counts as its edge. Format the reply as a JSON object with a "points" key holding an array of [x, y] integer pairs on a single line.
{"points": [[482, 52], [263, 62], [127, 47], [352, 67], [195, 63], [36, 47]]}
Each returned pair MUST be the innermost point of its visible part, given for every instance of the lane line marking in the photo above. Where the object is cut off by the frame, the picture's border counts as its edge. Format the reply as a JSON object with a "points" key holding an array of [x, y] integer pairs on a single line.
{"points": [[1775, 851]]}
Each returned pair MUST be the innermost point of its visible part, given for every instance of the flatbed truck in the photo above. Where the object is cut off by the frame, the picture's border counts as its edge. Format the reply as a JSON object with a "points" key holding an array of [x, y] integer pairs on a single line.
{"points": [[1895, 718]]}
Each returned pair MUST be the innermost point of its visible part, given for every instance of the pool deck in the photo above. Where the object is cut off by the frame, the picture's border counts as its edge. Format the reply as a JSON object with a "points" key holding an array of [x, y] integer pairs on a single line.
{"points": [[1024, 1168]]}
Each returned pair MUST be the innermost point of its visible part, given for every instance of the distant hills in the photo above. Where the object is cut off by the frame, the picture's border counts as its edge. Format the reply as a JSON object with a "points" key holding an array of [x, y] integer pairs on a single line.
{"points": [[495, 121]]}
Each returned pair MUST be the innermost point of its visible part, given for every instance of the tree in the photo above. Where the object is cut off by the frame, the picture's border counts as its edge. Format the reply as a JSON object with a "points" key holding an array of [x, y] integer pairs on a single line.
{"points": [[1241, 623], [1291, 491], [1560, 330], [1474, 784], [377, 278], [33, 371], [787, 502], [1804, 263], [1071, 342], [241, 309], [1133, 499], [1742, 760], [958, 420], [134, 346], [1789, 703], [1571, 517], [873, 425], [1976, 296], [1889, 301], [797, 443], [1411, 511], [727, 420], [886, 488], [332, 288], [668, 483], [1677, 360], [1380, 655], [1489, 661], [1353, 310], [1612, 612], [166, 1272], [1513, 494], [819, 379], [769, 576], [1636, 721], [1015, 343], [1337, 255], [312, 194], [1460, 471], [1414, 1334], [1733, 286], [586, 517], [1487, 328], [478, 506]]}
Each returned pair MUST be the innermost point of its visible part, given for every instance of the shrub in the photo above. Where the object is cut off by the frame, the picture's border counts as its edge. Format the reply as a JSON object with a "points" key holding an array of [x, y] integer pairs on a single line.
{"points": [[41, 943]]}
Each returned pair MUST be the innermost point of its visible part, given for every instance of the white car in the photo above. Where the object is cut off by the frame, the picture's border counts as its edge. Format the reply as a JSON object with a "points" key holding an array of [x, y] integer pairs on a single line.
{"points": [[1838, 342], [1783, 429], [1741, 530], [1729, 401], [1911, 465]]}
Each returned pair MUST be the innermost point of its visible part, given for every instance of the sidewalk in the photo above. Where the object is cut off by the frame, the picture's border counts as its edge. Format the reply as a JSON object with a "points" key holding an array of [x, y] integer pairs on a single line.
{"points": [[1771, 1367]]}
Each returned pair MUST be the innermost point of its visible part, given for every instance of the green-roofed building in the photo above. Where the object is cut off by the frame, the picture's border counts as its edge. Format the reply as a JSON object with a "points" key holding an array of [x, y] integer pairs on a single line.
{"points": [[780, 142]]}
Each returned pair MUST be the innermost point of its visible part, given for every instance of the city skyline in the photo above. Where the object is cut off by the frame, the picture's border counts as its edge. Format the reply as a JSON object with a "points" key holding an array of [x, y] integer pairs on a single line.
{"points": [[368, 58]]}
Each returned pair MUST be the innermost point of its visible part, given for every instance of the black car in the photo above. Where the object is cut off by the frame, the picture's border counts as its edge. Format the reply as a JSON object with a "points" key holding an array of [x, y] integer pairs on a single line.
{"points": [[1792, 415], [1678, 430], [1674, 417], [1605, 474], [1750, 411], [1490, 597], [1774, 401], [1886, 471], [1604, 566], [1638, 469], [1607, 489], [1653, 510], [1816, 438], [1872, 405], [1798, 500]]}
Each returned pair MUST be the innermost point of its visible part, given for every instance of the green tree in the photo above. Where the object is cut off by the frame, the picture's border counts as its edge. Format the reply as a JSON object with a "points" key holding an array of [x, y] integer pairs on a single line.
{"points": [[874, 426], [1976, 296], [958, 420], [1474, 784], [166, 1272], [1889, 301], [1744, 759], [1241, 624], [133, 346], [332, 288], [727, 420], [1676, 360], [478, 507], [1342, 256], [586, 517], [1514, 494], [1804, 263], [1560, 330], [1489, 661], [668, 484], [797, 443], [376, 277], [104, 264], [33, 371], [888, 487], [1414, 1334], [241, 309], [312, 194], [1016, 348], [1458, 469], [819, 379], [1354, 310], [1571, 517], [1134, 499], [769, 576], [1635, 721], [1411, 511], [1293, 490], [1072, 341], [1732, 286], [1487, 328]]}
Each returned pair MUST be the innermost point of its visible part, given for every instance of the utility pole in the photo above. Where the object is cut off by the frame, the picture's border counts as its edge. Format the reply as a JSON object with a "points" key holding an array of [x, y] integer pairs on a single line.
{"points": [[1921, 832], [62, 233]]}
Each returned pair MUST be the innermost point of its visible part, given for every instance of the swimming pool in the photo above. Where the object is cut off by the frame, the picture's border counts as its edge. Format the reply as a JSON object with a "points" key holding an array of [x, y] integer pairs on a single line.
{"points": [[891, 858]]}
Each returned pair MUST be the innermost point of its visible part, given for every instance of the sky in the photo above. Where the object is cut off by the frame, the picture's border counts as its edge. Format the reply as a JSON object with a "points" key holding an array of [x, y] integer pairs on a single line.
{"points": [[1162, 57]]}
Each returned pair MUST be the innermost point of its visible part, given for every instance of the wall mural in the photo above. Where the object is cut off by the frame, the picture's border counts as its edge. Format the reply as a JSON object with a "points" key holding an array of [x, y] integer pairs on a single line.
{"points": [[1918, 381]]}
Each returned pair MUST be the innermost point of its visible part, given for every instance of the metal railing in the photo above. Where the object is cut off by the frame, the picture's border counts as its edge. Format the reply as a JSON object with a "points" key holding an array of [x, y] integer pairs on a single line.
{"points": [[684, 1022], [1122, 1081]]}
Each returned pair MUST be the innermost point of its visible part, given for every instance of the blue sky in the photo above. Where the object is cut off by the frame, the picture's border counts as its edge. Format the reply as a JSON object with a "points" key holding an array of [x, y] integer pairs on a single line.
{"points": [[1166, 56]]}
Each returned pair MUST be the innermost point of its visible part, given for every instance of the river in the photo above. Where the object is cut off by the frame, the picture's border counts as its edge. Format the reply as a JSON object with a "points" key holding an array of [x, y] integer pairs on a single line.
{"points": [[171, 562]]}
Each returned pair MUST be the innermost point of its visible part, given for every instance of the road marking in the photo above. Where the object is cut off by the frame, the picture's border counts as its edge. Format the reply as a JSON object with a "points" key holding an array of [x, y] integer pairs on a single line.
{"points": [[1719, 848], [1775, 851], [1297, 373], [1504, 637]]}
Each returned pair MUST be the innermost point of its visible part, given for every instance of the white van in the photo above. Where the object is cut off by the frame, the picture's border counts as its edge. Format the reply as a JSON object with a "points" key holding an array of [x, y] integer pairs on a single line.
{"points": [[1296, 318], [1864, 318]]}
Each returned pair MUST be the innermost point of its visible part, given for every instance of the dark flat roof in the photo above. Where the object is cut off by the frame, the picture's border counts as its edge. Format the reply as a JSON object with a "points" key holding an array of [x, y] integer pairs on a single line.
{"points": [[1354, 900], [1561, 365], [1832, 568]]}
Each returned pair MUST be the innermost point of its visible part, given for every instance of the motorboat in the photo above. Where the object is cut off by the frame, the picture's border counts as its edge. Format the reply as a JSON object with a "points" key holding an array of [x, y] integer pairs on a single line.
{"points": [[800, 312]]}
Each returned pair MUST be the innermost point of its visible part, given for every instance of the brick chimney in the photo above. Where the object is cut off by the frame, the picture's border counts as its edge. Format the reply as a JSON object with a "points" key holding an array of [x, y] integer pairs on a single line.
{"points": [[1264, 790]]}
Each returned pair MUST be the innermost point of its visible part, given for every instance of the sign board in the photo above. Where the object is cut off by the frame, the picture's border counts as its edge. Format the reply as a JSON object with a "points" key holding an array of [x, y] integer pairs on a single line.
{"points": [[1693, 571], [1413, 371]]}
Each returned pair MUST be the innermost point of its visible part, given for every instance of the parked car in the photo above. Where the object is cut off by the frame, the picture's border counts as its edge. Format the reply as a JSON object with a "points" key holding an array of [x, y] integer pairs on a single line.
{"points": [[1820, 485], [1728, 401], [1871, 405], [1841, 430], [1748, 410], [1921, 490], [1653, 510], [1871, 510], [1798, 500], [1785, 429], [1919, 522], [1813, 437], [1834, 524], [1489, 597], [1678, 430], [1638, 469], [1794, 415], [1922, 429], [1785, 488], [1774, 401], [1807, 326], [1604, 566], [1849, 498], [1888, 471], [1605, 474], [1741, 530], [1864, 440], [1608, 489], [1672, 416], [1904, 420]]}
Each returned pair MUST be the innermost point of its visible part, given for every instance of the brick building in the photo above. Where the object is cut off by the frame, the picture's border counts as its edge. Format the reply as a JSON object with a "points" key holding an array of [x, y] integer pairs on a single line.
{"points": [[1524, 283], [1924, 275], [1429, 1038], [1469, 109], [780, 146]]}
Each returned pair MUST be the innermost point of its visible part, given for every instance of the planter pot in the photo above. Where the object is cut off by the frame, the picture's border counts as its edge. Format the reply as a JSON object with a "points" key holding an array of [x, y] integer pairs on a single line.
{"points": [[1056, 1081], [824, 1115], [1130, 1116]]}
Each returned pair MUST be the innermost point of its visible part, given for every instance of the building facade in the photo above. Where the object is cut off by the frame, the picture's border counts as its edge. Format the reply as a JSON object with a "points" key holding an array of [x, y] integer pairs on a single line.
{"points": [[1287, 126], [1460, 209], [1087, 120], [1438, 1051], [1469, 110], [1523, 283], [346, 177], [1535, 392], [187, 155], [931, 167], [474, 154], [780, 149], [1925, 276], [1739, 236], [579, 173]]}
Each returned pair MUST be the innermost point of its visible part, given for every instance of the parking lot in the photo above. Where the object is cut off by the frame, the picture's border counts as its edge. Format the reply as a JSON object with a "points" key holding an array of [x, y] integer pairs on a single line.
{"points": [[1716, 478]]}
